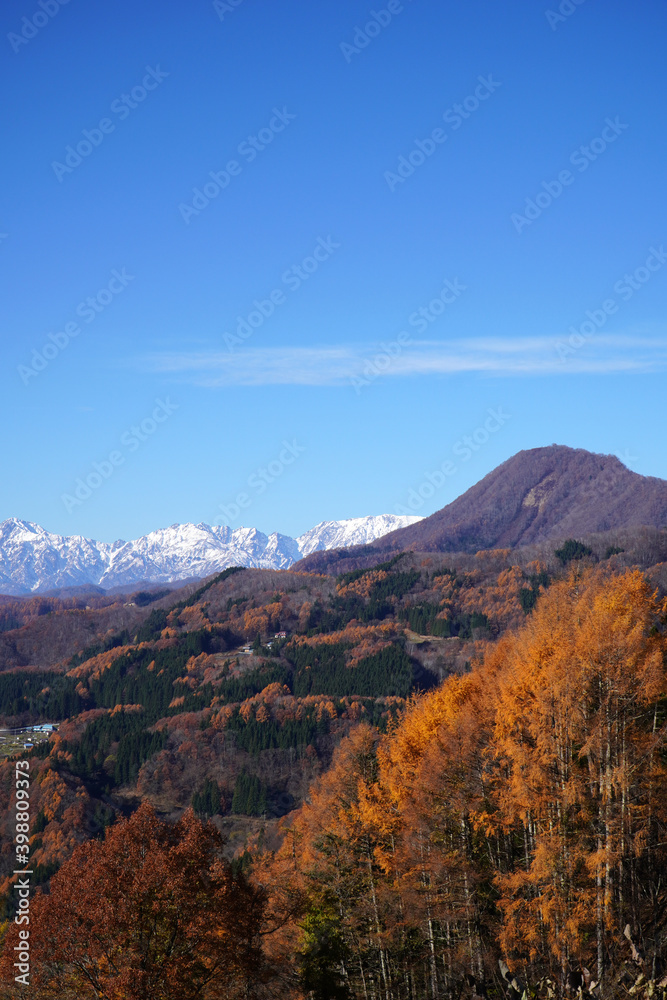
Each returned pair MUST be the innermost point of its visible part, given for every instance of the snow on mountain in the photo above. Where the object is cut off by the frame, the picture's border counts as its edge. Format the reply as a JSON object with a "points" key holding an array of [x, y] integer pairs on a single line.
{"points": [[186, 550], [353, 531], [33, 560]]}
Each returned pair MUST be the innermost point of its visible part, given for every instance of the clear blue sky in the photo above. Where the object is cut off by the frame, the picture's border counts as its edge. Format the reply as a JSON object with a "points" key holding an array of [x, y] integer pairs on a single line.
{"points": [[336, 108]]}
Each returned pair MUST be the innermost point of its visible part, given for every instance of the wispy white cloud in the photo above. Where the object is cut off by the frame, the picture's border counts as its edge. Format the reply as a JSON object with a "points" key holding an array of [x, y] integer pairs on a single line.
{"points": [[332, 366]]}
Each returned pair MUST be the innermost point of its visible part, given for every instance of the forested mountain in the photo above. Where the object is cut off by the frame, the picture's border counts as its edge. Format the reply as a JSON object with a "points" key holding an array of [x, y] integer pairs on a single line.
{"points": [[538, 495], [419, 771]]}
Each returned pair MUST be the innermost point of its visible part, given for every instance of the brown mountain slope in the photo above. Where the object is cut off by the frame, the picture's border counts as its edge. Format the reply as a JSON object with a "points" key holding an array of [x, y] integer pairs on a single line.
{"points": [[541, 494]]}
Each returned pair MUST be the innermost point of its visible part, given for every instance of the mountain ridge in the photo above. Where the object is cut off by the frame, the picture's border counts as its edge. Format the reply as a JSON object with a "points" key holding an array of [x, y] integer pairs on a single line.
{"points": [[33, 560], [537, 495], [540, 494]]}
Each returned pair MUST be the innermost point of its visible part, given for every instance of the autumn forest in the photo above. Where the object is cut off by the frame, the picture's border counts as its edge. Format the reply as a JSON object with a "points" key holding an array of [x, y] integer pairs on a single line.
{"points": [[446, 779]]}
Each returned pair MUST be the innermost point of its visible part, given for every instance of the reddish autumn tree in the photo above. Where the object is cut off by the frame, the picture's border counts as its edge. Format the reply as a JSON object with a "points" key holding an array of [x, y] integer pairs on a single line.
{"points": [[150, 913]]}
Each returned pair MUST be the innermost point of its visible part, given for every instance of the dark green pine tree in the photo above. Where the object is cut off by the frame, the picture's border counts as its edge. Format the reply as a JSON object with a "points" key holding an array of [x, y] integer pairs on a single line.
{"points": [[207, 801], [250, 795]]}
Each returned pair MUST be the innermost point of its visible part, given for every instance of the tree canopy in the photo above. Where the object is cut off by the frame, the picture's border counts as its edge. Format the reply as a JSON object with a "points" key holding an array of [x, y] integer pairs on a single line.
{"points": [[152, 911]]}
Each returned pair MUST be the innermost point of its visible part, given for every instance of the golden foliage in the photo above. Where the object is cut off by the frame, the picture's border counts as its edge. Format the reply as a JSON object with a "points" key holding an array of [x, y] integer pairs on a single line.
{"points": [[523, 806]]}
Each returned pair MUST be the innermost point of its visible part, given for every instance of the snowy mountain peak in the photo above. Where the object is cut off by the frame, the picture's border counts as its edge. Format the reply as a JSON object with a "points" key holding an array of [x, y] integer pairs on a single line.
{"points": [[33, 559], [352, 531]]}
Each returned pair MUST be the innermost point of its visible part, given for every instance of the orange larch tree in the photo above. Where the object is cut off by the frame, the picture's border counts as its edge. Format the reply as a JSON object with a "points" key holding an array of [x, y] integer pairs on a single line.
{"points": [[580, 738]]}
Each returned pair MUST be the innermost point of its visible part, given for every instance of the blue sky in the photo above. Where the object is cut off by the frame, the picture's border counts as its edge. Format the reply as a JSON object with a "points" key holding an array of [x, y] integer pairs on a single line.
{"points": [[325, 243]]}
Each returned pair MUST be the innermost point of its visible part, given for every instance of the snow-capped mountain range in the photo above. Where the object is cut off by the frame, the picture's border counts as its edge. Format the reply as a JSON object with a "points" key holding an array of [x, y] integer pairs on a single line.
{"points": [[34, 560]]}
